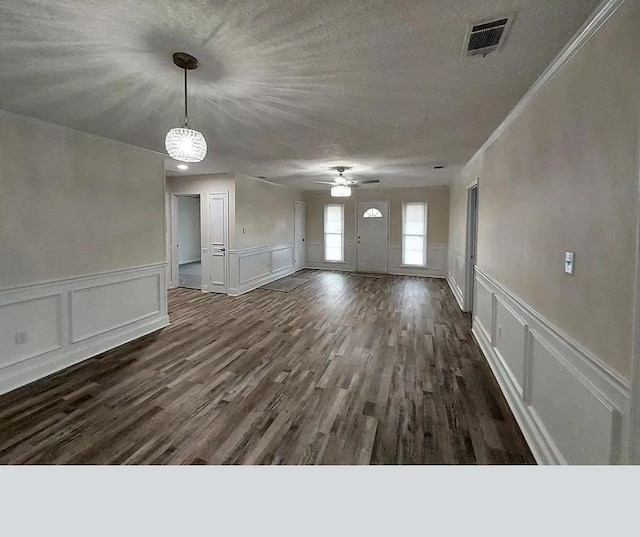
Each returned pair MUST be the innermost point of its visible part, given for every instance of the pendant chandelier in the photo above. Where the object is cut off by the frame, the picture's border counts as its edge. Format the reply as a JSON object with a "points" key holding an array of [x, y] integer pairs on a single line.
{"points": [[184, 143]]}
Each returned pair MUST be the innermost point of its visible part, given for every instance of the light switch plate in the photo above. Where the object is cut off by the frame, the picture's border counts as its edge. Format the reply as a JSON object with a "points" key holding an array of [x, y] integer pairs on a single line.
{"points": [[569, 263]]}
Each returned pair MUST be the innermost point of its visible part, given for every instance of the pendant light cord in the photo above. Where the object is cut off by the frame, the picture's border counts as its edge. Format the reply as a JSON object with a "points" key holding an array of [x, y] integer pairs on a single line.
{"points": [[186, 110]]}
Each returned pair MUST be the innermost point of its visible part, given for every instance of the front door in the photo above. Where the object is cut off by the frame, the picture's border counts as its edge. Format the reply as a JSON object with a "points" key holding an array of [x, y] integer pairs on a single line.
{"points": [[218, 217], [373, 236], [298, 226]]}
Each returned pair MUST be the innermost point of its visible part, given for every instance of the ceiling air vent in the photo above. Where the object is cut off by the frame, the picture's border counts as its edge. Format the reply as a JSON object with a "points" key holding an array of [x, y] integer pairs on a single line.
{"points": [[485, 36]]}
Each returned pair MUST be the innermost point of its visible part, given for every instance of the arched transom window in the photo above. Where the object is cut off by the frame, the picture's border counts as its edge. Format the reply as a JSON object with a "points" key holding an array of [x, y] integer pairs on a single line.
{"points": [[372, 213]]}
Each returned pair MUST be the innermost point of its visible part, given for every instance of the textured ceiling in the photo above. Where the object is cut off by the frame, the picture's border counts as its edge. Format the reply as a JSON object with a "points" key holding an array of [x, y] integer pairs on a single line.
{"points": [[285, 88]]}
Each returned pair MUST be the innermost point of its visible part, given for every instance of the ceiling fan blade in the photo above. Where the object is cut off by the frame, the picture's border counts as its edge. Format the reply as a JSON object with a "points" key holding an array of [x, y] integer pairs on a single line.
{"points": [[324, 182], [369, 182]]}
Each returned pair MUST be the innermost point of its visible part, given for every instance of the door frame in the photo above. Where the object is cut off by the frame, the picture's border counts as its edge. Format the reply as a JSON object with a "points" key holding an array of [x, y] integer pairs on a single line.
{"points": [[226, 241], [172, 230], [633, 452], [471, 227], [388, 213], [304, 245]]}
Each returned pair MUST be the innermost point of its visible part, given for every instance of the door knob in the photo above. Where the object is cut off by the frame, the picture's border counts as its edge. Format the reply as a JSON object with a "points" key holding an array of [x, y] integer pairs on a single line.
{"points": [[223, 250]]}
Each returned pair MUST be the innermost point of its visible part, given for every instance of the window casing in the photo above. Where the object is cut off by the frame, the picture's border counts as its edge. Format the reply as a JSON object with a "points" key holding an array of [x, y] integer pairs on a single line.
{"points": [[414, 233], [334, 232]]}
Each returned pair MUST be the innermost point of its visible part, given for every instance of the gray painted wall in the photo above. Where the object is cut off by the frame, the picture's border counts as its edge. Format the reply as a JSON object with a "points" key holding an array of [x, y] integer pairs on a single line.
{"points": [[564, 177], [73, 204]]}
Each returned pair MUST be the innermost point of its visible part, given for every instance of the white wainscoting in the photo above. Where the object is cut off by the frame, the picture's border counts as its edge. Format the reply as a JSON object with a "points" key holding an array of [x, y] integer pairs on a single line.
{"points": [[315, 257], [436, 260], [571, 407], [68, 321], [250, 268]]}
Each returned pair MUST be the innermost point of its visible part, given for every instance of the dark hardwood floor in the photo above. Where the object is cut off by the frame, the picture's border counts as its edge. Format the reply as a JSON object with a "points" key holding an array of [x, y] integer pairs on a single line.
{"points": [[346, 369]]}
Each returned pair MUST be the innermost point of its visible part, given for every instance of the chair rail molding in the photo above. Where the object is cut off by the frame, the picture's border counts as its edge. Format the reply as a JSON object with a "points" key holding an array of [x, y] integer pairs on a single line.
{"points": [[67, 321]]}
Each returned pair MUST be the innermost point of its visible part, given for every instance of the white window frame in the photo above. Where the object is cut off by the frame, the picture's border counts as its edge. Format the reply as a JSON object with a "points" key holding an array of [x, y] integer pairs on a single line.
{"points": [[426, 230], [324, 233]]}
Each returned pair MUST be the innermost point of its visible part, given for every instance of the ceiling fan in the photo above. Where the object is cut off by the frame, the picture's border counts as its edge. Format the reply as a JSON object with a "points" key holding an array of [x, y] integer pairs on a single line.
{"points": [[341, 186]]}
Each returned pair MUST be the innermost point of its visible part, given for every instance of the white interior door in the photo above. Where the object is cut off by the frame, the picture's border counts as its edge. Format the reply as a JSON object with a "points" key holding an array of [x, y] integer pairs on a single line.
{"points": [[218, 218], [373, 236], [298, 225]]}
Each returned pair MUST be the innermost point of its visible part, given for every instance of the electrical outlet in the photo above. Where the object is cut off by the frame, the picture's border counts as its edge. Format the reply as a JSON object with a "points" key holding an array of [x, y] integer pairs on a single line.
{"points": [[21, 337]]}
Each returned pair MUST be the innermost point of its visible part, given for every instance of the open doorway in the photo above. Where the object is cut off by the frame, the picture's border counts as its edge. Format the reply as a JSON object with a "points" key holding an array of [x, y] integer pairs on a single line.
{"points": [[472, 244], [189, 242]]}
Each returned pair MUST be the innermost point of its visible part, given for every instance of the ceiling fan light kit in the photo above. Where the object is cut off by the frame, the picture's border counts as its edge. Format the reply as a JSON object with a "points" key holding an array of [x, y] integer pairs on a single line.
{"points": [[184, 143], [340, 191], [341, 186]]}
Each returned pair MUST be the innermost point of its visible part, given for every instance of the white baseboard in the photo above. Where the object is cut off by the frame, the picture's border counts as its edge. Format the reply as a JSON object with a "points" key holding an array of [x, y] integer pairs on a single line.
{"points": [[197, 260], [68, 321], [249, 268], [330, 266], [424, 273], [571, 407], [457, 292]]}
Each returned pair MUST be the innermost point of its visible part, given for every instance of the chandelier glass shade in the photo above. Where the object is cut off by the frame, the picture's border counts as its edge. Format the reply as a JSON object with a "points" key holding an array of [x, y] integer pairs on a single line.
{"points": [[340, 191], [184, 143]]}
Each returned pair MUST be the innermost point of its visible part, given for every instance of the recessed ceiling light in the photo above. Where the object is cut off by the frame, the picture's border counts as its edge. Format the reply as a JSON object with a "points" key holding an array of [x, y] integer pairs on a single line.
{"points": [[183, 167]]}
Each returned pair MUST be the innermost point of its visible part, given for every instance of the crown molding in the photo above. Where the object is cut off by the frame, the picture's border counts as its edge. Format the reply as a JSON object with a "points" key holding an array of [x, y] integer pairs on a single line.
{"points": [[604, 11]]}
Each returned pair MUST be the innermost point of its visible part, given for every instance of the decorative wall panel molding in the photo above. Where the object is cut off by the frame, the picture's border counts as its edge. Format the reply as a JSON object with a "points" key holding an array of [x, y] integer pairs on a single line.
{"points": [[571, 407], [250, 268], [67, 321], [315, 257]]}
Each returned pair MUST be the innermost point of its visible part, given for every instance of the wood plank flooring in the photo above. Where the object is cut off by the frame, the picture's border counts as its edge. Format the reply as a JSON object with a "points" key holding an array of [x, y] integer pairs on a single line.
{"points": [[343, 370]]}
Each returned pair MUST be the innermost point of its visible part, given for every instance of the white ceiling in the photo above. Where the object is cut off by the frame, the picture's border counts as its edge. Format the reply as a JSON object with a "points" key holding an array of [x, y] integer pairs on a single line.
{"points": [[285, 88]]}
